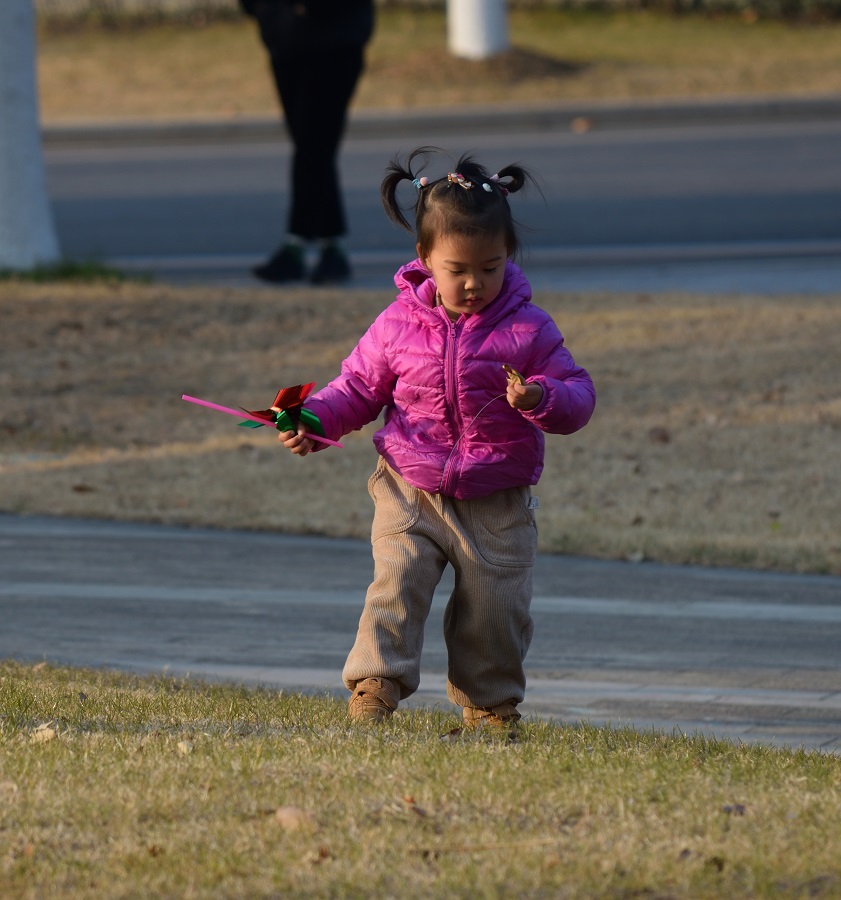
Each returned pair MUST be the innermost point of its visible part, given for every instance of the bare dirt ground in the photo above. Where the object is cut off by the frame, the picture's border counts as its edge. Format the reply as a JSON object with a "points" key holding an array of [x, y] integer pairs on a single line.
{"points": [[715, 440]]}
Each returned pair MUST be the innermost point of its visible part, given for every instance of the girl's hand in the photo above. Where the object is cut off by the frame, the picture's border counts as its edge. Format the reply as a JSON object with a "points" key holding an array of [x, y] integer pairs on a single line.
{"points": [[524, 396], [296, 442]]}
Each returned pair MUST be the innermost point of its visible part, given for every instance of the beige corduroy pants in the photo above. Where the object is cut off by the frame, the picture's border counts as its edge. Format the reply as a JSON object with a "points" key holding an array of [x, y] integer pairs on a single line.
{"points": [[490, 543]]}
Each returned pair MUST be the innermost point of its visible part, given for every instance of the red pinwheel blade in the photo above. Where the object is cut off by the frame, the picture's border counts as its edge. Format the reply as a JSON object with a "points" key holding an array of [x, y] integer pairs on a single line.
{"points": [[267, 415], [290, 397]]}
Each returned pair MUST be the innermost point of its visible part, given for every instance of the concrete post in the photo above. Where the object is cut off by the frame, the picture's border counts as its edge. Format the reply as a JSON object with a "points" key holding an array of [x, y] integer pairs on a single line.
{"points": [[477, 29], [27, 234]]}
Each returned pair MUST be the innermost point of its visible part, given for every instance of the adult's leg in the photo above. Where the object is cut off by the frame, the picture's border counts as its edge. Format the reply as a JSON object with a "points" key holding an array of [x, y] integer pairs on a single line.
{"points": [[315, 91]]}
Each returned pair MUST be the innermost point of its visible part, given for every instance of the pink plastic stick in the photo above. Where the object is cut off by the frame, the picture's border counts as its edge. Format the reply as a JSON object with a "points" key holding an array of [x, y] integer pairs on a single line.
{"points": [[244, 415]]}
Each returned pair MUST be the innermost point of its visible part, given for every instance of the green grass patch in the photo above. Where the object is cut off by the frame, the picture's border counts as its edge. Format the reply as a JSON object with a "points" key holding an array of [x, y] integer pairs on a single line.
{"points": [[121, 786], [69, 270]]}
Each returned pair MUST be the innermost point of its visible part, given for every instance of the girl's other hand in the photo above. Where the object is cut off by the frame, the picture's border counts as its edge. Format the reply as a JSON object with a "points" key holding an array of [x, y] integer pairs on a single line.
{"points": [[295, 441], [524, 396]]}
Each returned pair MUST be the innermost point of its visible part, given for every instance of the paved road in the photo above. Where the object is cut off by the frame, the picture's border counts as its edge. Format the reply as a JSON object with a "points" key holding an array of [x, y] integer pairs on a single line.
{"points": [[645, 203], [742, 655]]}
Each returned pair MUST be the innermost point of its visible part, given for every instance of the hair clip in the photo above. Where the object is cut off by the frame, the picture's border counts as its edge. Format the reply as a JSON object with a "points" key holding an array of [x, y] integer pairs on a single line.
{"points": [[456, 178], [420, 182], [487, 187]]}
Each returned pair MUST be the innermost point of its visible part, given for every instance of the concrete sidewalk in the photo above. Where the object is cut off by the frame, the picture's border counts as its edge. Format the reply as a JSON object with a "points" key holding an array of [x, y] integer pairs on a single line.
{"points": [[748, 656]]}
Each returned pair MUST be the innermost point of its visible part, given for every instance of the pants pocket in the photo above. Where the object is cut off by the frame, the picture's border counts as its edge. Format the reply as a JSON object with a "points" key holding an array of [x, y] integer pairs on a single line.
{"points": [[396, 503], [504, 527]]}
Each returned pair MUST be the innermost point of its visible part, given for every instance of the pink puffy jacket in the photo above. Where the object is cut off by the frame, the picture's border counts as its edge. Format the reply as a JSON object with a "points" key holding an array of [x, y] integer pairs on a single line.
{"points": [[448, 428]]}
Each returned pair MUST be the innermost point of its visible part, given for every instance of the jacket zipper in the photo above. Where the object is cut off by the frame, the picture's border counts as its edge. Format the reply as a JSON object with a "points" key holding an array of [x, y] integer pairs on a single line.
{"points": [[451, 467]]}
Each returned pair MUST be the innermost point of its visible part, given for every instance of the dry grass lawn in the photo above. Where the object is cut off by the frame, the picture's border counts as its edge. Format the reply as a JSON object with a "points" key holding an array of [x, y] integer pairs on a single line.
{"points": [[715, 440], [120, 787], [221, 70]]}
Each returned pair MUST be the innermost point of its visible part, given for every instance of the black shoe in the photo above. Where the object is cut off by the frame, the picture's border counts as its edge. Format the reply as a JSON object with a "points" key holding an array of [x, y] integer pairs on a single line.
{"points": [[332, 268], [286, 265]]}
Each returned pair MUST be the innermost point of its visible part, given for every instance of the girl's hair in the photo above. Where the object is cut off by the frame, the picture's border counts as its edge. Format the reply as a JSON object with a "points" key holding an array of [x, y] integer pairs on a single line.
{"points": [[446, 206]]}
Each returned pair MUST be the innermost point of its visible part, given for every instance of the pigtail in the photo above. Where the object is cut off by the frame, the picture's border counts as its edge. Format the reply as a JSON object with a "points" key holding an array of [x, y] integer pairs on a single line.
{"points": [[397, 172], [516, 178], [394, 174]]}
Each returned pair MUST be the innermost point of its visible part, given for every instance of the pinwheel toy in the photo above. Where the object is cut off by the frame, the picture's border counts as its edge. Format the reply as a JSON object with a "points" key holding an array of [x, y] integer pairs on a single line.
{"points": [[284, 414]]}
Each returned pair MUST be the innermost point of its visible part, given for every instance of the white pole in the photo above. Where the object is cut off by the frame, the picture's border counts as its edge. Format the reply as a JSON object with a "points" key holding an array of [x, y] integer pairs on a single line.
{"points": [[477, 29], [27, 234]]}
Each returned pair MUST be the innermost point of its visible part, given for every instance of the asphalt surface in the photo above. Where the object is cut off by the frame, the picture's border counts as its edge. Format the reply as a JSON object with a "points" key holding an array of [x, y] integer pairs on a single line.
{"points": [[718, 197], [746, 656]]}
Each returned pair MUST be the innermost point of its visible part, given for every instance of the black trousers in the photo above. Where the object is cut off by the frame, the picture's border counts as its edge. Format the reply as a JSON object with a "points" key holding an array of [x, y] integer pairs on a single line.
{"points": [[315, 90]]}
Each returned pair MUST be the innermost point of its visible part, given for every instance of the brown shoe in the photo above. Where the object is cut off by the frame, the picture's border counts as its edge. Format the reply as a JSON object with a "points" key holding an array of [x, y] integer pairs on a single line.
{"points": [[502, 714], [373, 700]]}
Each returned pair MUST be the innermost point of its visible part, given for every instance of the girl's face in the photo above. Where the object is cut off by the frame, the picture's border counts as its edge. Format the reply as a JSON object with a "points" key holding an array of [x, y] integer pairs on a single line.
{"points": [[468, 272]]}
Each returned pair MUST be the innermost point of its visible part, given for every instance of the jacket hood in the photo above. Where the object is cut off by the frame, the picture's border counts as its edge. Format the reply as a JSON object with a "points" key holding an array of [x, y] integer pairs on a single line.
{"points": [[417, 288]]}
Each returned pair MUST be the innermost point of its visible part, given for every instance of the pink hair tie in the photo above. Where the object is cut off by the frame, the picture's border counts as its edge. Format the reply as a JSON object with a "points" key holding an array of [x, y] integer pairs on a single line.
{"points": [[501, 186]]}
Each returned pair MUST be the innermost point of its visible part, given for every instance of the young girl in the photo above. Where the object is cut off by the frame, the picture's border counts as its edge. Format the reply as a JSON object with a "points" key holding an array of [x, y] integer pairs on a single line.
{"points": [[461, 443]]}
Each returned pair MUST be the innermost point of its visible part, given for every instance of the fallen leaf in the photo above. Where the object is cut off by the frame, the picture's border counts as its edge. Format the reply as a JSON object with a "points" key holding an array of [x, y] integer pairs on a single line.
{"points": [[318, 856], [184, 747], [43, 734], [581, 125], [293, 818], [418, 810]]}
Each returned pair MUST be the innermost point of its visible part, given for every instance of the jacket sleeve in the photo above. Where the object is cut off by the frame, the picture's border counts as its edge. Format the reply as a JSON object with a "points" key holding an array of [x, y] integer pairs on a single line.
{"points": [[569, 396], [364, 387]]}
